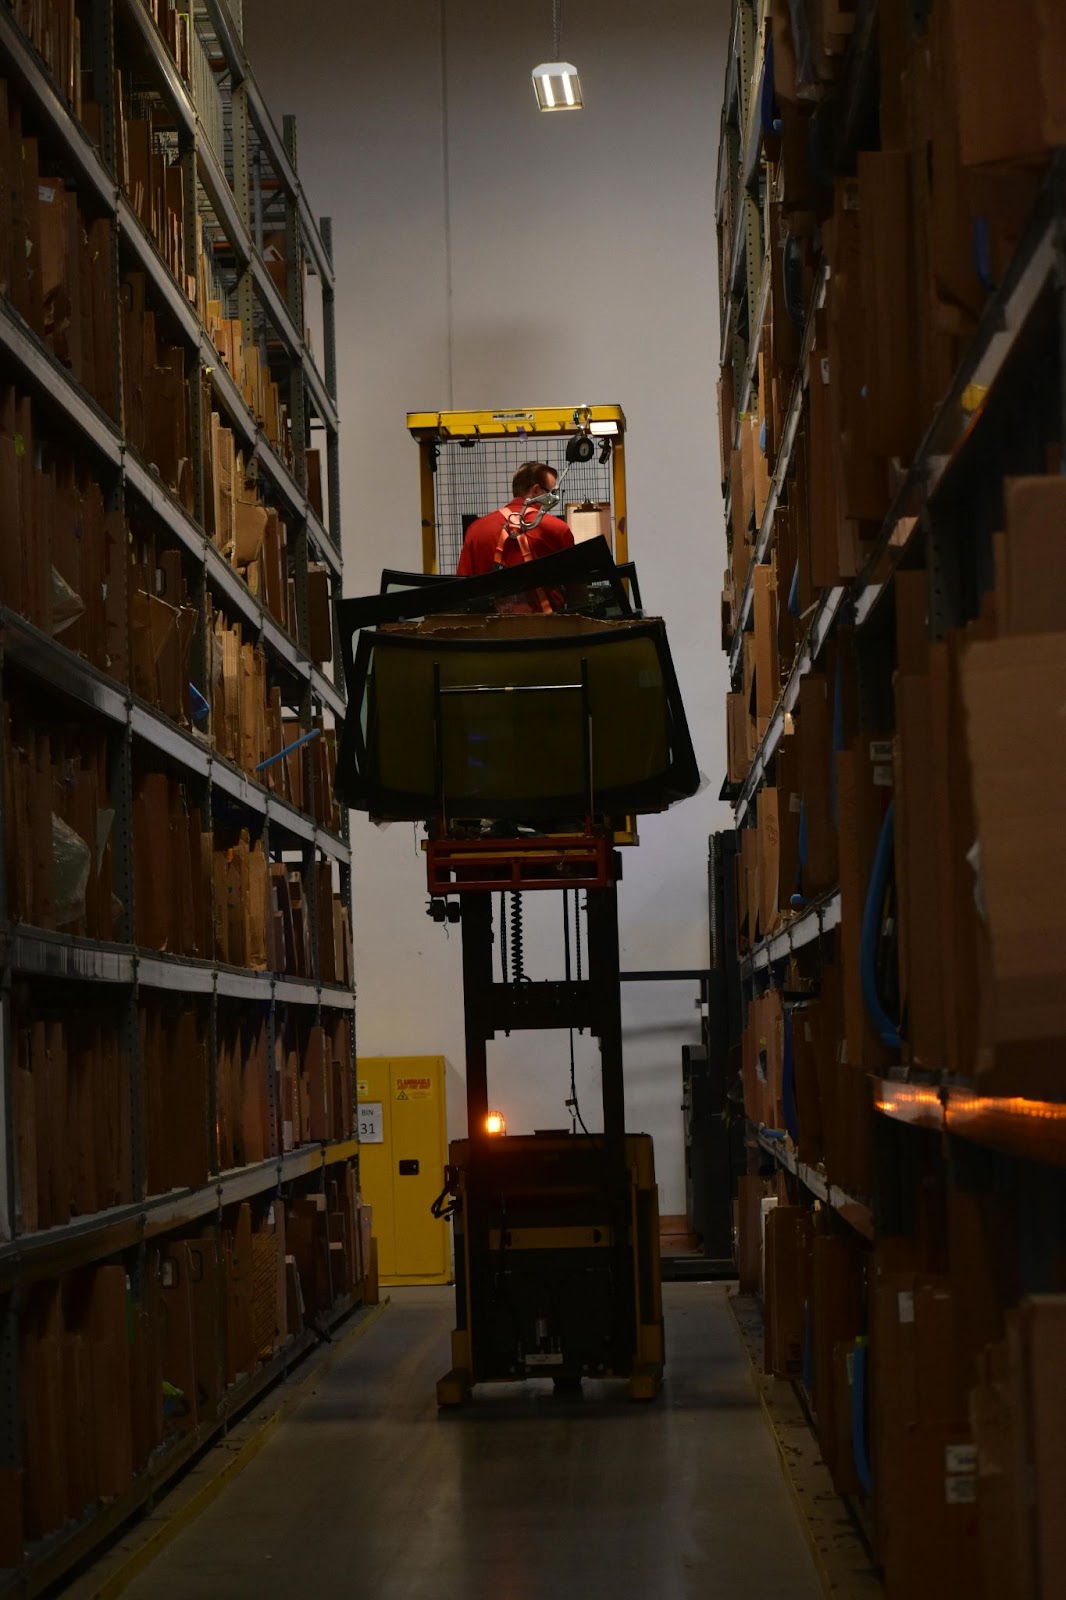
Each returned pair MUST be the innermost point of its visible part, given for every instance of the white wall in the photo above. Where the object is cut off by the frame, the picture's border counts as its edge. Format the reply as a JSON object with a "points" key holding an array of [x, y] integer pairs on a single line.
{"points": [[490, 256]]}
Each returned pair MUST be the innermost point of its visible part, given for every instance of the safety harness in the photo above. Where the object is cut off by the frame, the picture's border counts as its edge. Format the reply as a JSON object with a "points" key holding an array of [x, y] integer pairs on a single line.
{"points": [[513, 528]]}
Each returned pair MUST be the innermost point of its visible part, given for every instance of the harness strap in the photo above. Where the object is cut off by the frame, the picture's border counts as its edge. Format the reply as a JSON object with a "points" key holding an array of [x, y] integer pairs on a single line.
{"points": [[512, 529]]}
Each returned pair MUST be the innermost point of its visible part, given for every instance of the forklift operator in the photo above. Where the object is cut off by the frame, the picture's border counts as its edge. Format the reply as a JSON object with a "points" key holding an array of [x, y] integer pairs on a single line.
{"points": [[517, 531]]}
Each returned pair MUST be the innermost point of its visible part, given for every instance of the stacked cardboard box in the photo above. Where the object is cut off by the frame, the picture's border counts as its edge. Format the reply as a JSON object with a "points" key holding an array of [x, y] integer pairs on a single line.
{"points": [[173, 865], [153, 180], [313, 1067], [174, 25], [245, 1093], [163, 625], [246, 720], [251, 374], [966, 1463], [982, 934], [57, 265], [107, 1376], [251, 535], [58, 817], [914, 244], [174, 1056], [55, 28], [60, 562], [77, 1417], [71, 1098], [155, 392]]}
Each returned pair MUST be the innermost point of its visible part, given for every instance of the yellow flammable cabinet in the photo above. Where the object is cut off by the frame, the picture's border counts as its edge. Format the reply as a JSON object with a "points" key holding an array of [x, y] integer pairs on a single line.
{"points": [[403, 1141]]}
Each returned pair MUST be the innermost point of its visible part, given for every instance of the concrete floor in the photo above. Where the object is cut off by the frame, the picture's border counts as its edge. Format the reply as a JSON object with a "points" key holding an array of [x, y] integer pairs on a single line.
{"points": [[366, 1491]]}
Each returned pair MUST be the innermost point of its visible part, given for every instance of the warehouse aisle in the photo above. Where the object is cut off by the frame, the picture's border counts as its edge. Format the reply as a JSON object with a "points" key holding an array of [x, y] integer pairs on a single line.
{"points": [[365, 1491]]}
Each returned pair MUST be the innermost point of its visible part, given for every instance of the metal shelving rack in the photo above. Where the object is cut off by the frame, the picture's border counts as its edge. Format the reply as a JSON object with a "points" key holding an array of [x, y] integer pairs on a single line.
{"points": [[1036, 272], [230, 183]]}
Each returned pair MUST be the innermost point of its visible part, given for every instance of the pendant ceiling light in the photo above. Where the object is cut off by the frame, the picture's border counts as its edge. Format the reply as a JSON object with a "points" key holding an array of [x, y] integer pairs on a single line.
{"points": [[556, 83]]}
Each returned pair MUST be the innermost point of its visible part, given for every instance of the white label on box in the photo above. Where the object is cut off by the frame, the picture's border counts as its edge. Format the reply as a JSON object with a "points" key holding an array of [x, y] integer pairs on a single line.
{"points": [[824, 369], [883, 777], [960, 1458], [286, 1135], [371, 1122], [47, 194], [795, 803], [905, 1304], [880, 749], [960, 1490], [551, 1359]]}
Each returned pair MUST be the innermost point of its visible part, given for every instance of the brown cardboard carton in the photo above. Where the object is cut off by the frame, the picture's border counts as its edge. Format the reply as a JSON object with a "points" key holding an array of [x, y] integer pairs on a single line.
{"points": [[1035, 552], [807, 1091], [836, 1314], [788, 1230], [767, 665], [1013, 689], [864, 779], [1043, 1335], [320, 640], [995, 46], [894, 424], [996, 1423], [769, 833], [814, 740], [750, 1191]]}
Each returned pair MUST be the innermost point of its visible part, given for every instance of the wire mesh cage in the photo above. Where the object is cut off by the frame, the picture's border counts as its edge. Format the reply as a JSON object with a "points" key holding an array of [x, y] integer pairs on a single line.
{"points": [[473, 478]]}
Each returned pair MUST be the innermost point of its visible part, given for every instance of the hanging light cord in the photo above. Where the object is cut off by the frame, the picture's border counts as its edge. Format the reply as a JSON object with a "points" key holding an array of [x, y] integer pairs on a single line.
{"points": [[557, 26]]}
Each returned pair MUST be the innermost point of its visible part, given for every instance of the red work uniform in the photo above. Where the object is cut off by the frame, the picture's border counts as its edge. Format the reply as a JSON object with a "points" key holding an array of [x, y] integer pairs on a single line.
{"points": [[485, 546]]}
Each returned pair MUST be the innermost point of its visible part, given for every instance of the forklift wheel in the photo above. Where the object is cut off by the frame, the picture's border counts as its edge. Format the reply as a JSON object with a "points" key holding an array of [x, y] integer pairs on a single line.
{"points": [[645, 1383], [454, 1389]]}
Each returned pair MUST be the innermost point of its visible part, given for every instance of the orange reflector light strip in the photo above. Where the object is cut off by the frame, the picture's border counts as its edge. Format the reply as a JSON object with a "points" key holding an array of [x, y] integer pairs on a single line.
{"points": [[1035, 1129]]}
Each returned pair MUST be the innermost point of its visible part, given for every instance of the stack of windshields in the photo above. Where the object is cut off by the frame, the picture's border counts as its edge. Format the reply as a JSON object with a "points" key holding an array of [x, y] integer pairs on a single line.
{"points": [[467, 701], [597, 597]]}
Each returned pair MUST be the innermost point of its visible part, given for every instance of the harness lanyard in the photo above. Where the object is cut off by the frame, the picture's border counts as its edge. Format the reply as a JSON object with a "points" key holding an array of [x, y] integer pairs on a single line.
{"points": [[512, 529]]}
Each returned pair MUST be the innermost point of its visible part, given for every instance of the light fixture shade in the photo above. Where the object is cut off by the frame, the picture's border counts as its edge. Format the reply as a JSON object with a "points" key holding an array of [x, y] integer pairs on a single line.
{"points": [[557, 86]]}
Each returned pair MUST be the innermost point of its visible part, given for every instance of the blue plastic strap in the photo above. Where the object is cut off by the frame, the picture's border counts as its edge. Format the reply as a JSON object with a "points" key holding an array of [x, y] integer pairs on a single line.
{"points": [[882, 867], [982, 253], [295, 745], [201, 708]]}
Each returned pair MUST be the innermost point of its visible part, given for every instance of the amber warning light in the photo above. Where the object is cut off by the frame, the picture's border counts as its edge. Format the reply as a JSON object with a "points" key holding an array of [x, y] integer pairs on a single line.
{"points": [[494, 1123]]}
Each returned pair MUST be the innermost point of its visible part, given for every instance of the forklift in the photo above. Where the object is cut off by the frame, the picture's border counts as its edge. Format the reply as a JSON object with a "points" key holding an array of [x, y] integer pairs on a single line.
{"points": [[527, 744]]}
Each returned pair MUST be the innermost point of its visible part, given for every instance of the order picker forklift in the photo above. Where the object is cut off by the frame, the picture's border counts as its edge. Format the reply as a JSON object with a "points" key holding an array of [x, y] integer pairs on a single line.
{"points": [[528, 742]]}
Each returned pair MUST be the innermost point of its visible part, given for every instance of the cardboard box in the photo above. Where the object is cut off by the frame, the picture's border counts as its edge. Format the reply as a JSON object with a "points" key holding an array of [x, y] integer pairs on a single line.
{"points": [[788, 1240], [767, 665], [836, 1314], [1043, 1338], [995, 46], [888, 298], [1035, 555], [750, 1192], [1013, 689], [814, 740]]}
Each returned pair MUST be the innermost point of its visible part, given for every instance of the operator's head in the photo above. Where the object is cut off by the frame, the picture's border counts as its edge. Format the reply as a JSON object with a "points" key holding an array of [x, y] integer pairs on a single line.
{"points": [[531, 477]]}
